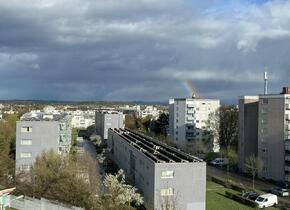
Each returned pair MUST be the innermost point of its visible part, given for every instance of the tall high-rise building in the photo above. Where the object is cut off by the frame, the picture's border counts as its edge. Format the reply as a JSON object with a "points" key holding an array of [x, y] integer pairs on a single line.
{"points": [[271, 139], [188, 120], [106, 120]]}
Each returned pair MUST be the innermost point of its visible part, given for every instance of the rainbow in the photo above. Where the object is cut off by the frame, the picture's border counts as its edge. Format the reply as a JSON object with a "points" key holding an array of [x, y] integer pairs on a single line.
{"points": [[188, 87]]}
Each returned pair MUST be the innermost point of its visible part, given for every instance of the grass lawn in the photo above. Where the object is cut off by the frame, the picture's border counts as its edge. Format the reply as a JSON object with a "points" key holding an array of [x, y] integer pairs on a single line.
{"points": [[216, 200]]}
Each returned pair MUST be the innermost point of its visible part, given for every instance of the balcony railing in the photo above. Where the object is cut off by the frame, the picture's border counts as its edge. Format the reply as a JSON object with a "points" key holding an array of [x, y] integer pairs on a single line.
{"points": [[287, 106], [287, 168], [190, 111], [287, 157]]}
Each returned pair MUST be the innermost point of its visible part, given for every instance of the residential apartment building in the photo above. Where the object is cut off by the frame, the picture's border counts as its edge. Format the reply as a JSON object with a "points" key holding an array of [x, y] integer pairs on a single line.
{"points": [[188, 120], [166, 177], [273, 131], [106, 120], [39, 131], [149, 111], [248, 128], [82, 119]]}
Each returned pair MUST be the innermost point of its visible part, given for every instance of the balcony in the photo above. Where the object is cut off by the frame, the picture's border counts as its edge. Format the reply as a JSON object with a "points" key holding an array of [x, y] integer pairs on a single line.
{"points": [[287, 157], [190, 105], [287, 178], [287, 106], [287, 168], [190, 118], [287, 117], [190, 111], [288, 127]]}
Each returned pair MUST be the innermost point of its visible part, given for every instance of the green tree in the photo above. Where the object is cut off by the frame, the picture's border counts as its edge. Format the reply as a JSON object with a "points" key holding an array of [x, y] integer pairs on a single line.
{"points": [[7, 137], [56, 177]]}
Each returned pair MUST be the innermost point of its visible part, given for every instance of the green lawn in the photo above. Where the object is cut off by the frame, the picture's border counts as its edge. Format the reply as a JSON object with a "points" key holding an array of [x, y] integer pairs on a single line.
{"points": [[216, 200]]}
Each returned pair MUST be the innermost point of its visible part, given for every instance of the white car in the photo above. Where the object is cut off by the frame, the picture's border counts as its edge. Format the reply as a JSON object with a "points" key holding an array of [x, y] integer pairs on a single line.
{"points": [[267, 200]]}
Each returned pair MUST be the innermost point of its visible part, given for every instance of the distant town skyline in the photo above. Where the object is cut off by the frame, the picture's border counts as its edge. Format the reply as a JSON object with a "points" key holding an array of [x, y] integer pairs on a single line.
{"points": [[142, 50]]}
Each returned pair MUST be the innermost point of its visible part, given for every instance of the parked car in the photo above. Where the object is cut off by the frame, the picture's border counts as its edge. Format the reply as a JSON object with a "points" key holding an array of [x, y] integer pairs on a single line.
{"points": [[279, 191], [219, 161], [250, 195], [267, 200]]}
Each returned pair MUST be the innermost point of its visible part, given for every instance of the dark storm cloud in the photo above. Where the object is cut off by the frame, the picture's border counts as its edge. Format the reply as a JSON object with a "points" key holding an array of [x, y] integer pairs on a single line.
{"points": [[141, 49]]}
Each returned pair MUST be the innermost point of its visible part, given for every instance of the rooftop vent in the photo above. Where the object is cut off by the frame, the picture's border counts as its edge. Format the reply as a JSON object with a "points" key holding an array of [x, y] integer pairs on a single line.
{"points": [[286, 90]]}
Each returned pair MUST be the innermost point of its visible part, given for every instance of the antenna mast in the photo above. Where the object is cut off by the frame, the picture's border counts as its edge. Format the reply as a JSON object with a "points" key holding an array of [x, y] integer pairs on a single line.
{"points": [[265, 83]]}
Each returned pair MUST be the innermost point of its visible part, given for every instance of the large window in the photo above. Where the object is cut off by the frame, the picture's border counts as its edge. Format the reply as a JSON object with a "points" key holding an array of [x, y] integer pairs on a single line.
{"points": [[26, 142], [167, 191], [25, 154], [167, 174], [26, 129]]}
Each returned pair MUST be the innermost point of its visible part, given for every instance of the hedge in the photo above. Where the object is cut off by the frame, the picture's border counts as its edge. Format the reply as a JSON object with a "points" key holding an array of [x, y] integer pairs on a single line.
{"points": [[240, 199]]}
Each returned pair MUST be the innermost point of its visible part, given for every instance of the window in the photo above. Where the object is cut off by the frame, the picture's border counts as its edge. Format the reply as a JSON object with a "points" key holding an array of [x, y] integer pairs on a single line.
{"points": [[264, 110], [265, 101], [26, 142], [264, 130], [167, 174], [167, 206], [25, 154], [263, 121], [166, 191], [25, 167], [26, 129]]}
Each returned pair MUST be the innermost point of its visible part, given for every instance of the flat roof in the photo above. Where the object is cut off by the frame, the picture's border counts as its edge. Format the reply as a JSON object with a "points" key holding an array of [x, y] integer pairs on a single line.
{"points": [[154, 149], [40, 116]]}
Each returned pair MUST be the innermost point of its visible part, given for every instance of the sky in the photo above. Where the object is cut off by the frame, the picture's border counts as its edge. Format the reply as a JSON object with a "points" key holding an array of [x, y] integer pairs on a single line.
{"points": [[142, 50]]}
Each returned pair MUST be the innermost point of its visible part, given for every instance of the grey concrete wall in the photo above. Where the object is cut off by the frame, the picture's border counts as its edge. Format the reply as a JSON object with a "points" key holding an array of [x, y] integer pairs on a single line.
{"points": [[189, 181], [105, 121], [248, 130], [189, 184], [45, 135], [271, 145], [144, 167]]}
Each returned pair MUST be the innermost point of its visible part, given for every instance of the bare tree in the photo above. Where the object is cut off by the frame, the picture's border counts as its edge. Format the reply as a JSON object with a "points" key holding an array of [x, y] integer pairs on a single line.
{"points": [[223, 125], [253, 165]]}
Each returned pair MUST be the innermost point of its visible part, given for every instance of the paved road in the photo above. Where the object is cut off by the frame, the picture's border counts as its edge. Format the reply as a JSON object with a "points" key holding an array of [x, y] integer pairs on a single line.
{"points": [[260, 185]]}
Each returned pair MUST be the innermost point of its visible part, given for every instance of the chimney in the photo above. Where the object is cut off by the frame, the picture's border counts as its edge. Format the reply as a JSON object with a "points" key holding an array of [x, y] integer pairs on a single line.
{"points": [[286, 90]]}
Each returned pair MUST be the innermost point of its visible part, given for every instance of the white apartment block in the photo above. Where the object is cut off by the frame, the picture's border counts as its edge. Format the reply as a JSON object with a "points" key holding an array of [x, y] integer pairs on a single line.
{"points": [[149, 111], [82, 119], [188, 120]]}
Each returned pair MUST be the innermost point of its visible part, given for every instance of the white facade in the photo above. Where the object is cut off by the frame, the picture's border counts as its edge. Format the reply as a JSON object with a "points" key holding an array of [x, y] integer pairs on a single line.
{"points": [[149, 110], [188, 118], [82, 119]]}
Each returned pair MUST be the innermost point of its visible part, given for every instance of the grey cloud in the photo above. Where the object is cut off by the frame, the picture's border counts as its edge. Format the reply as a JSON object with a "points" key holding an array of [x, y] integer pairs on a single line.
{"points": [[140, 49]]}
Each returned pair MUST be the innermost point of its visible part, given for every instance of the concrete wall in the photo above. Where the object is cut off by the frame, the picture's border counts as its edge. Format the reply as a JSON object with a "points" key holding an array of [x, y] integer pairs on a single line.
{"points": [[189, 181], [45, 135], [271, 142], [189, 184], [105, 121], [248, 129]]}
